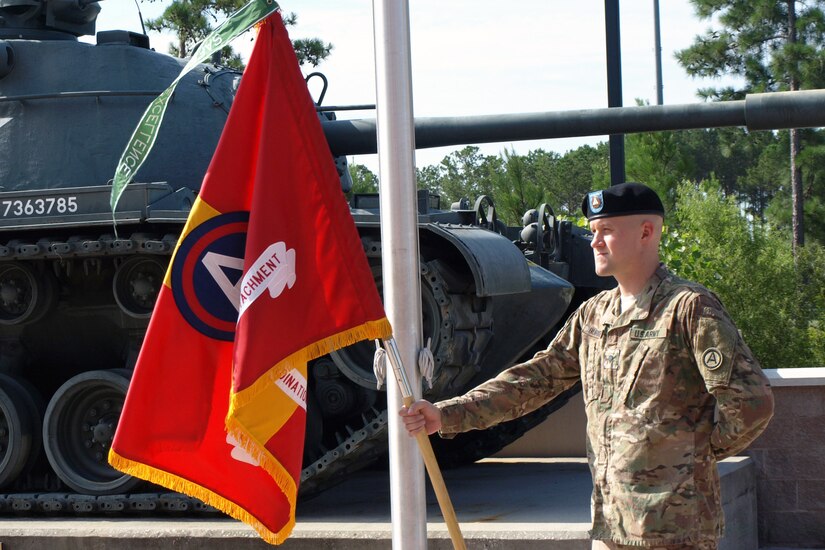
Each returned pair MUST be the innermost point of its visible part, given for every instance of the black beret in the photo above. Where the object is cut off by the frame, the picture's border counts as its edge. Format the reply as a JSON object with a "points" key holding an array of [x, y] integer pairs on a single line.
{"points": [[623, 199]]}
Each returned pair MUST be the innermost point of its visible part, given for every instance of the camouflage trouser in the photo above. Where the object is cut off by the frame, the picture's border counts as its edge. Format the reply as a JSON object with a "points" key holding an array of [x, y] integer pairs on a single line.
{"points": [[605, 545]]}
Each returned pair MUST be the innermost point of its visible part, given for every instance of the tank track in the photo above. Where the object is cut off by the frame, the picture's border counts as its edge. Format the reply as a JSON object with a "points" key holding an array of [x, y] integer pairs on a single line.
{"points": [[73, 504], [461, 329], [84, 246], [361, 447]]}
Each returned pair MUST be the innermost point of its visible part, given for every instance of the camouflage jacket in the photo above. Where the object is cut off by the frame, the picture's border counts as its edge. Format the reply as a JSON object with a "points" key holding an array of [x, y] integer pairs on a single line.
{"points": [[669, 387]]}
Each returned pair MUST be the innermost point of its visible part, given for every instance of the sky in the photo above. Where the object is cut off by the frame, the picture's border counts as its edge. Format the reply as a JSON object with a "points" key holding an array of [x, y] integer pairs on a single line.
{"points": [[480, 57]]}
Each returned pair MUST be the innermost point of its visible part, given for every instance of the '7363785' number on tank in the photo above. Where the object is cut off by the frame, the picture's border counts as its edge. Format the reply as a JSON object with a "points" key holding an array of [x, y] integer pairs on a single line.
{"points": [[43, 206]]}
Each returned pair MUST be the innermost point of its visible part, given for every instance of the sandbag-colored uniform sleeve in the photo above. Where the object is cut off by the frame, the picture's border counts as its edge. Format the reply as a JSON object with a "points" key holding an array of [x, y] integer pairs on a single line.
{"points": [[518, 390], [744, 402]]}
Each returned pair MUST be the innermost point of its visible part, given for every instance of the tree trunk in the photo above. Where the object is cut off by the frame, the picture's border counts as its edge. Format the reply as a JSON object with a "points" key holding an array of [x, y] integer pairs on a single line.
{"points": [[796, 194], [796, 172]]}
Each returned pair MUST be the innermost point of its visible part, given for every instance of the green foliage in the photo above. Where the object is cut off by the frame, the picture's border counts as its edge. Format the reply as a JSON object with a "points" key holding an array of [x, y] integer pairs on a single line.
{"points": [[657, 160], [765, 188], [726, 154], [429, 177], [751, 166], [727, 233], [364, 180], [567, 178], [683, 254], [768, 174], [188, 19], [753, 42], [311, 51], [518, 183], [810, 279], [192, 21], [772, 45], [660, 160], [513, 191], [465, 173], [779, 307]]}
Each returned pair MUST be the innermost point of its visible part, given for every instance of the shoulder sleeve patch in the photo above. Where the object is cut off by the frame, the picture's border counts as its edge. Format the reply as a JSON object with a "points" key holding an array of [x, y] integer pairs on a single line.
{"points": [[714, 346]]}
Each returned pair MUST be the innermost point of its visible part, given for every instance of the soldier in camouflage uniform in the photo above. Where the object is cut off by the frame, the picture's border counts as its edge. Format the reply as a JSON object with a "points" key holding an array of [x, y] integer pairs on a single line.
{"points": [[670, 388]]}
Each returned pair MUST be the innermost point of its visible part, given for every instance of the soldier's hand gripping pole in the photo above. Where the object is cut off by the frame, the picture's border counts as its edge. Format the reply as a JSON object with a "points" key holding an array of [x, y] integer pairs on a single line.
{"points": [[426, 449]]}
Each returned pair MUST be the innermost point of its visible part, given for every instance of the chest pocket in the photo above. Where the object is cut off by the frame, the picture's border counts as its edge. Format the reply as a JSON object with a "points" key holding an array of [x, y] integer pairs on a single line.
{"points": [[650, 380]]}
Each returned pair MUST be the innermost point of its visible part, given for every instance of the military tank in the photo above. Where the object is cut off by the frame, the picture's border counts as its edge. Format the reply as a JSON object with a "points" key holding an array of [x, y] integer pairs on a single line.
{"points": [[75, 297]]}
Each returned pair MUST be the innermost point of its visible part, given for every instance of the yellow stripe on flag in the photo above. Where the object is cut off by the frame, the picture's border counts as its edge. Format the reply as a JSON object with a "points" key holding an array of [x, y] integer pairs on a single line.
{"points": [[201, 211], [371, 330], [270, 409]]}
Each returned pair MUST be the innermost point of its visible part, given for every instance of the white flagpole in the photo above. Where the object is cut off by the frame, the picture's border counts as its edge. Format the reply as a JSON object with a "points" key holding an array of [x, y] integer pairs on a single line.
{"points": [[400, 265]]}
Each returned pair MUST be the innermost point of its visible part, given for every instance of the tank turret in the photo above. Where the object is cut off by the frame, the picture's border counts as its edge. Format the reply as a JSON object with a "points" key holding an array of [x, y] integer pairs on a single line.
{"points": [[48, 19], [75, 298]]}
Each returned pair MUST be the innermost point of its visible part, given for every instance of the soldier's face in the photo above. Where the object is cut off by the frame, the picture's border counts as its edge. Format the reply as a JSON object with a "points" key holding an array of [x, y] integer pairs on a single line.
{"points": [[616, 244]]}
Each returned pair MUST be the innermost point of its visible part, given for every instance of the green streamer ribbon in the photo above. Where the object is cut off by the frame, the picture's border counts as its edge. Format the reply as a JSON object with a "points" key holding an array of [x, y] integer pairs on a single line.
{"points": [[146, 133]]}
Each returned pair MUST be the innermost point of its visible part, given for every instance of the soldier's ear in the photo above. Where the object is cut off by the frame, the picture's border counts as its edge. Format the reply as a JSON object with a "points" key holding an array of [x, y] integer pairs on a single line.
{"points": [[648, 229], [652, 228]]}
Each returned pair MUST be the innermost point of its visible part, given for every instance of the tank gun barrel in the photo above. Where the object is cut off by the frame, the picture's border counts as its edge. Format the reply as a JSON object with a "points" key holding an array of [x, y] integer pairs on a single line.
{"points": [[767, 111]]}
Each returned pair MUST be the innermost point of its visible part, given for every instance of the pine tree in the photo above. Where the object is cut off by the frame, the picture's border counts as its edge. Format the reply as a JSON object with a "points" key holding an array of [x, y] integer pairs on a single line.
{"points": [[192, 20], [773, 45]]}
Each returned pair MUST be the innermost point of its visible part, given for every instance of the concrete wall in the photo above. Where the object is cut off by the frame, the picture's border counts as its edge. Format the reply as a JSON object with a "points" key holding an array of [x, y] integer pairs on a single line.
{"points": [[789, 456], [790, 462], [562, 435]]}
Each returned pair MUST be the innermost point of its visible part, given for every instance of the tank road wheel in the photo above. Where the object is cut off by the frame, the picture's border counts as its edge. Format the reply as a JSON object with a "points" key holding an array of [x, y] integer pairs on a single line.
{"points": [[136, 285], [31, 414], [355, 361], [25, 295], [78, 430], [17, 433]]}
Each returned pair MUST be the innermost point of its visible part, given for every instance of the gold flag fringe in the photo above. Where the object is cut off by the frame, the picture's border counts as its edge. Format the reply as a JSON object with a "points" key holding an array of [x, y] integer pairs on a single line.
{"points": [[370, 330], [181, 485]]}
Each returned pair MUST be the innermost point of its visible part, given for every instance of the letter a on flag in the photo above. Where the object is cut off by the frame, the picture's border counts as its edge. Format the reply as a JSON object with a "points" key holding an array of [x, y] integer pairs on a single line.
{"points": [[268, 274]]}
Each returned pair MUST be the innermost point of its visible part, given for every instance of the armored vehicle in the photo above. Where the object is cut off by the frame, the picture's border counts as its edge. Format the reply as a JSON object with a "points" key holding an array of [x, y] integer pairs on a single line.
{"points": [[75, 297]]}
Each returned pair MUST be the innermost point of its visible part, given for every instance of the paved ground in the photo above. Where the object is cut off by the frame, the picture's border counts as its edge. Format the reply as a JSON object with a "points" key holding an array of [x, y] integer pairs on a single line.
{"points": [[501, 504], [504, 503]]}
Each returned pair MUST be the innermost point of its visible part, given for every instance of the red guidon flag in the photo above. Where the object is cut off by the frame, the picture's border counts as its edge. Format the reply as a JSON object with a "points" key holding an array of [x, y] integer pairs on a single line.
{"points": [[269, 273]]}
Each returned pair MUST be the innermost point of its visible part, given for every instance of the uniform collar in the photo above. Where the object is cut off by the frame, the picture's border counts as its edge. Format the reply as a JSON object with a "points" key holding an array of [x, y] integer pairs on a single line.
{"points": [[641, 310]]}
